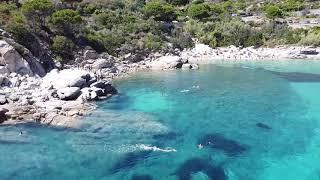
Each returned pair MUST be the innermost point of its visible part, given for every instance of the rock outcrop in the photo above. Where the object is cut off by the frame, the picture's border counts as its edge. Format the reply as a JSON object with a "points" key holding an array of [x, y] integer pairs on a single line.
{"points": [[66, 78], [13, 62], [69, 93], [172, 62], [3, 115], [57, 99]]}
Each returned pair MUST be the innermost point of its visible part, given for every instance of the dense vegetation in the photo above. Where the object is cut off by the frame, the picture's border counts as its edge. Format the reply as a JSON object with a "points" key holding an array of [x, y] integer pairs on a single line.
{"points": [[120, 27]]}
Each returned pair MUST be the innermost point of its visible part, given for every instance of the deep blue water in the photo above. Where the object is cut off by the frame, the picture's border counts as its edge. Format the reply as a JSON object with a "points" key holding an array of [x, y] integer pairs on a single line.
{"points": [[221, 122]]}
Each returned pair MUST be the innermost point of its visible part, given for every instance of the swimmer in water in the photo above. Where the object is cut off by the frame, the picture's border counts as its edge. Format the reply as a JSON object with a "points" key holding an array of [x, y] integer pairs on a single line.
{"points": [[20, 133], [200, 146]]}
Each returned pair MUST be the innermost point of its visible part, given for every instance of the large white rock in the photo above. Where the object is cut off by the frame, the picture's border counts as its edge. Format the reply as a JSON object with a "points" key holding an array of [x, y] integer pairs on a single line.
{"points": [[12, 60], [4, 70], [90, 54], [69, 93], [102, 63], [167, 62], [88, 94], [66, 78], [3, 100], [202, 49]]}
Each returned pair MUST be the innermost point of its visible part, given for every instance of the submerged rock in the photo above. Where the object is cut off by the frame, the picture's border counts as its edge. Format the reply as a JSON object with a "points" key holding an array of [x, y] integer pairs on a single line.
{"points": [[166, 136], [298, 77], [195, 165], [219, 142], [130, 160], [263, 126]]}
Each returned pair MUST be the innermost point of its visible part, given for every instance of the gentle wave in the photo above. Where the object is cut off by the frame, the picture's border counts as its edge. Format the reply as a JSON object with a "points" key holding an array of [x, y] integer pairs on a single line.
{"points": [[185, 90], [155, 148]]}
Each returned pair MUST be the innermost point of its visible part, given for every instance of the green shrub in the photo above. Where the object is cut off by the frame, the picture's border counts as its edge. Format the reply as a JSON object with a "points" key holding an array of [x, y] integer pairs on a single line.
{"points": [[294, 36], [67, 21], [193, 27], [311, 39], [216, 9], [109, 41], [87, 9], [152, 42], [273, 11], [107, 19], [292, 5], [160, 11], [137, 5], [199, 11], [182, 40], [234, 32], [6, 10], [255, 39], [63, 48], [95, 41], [18, 27]]}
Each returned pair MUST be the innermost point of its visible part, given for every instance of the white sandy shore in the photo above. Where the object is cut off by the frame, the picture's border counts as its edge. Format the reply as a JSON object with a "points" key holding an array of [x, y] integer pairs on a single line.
{"points": [[204, 54]]}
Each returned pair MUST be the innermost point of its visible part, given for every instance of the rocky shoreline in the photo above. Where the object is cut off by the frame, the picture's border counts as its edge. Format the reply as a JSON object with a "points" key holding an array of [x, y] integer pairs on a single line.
{"points": [[60, 98]]}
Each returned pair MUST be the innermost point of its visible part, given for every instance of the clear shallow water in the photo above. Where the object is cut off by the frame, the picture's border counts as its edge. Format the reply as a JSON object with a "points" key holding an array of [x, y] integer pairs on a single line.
{"points": [[252, 124]]}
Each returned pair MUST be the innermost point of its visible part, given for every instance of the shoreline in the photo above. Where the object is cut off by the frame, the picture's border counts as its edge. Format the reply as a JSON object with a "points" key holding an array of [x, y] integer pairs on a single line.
{"points": [[62, 113]]}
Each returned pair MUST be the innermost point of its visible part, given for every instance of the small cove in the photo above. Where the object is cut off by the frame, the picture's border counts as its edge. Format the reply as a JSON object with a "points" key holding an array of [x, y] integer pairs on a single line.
{"points": [[152, 130]]}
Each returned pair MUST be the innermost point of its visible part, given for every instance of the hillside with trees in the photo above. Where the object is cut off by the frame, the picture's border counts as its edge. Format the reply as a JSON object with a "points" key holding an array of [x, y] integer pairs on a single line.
{"points": [[118, 27]]}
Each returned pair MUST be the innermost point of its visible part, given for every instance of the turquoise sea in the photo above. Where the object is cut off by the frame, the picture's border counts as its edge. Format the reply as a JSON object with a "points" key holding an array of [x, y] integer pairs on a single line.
{"points": [[243, 121]]}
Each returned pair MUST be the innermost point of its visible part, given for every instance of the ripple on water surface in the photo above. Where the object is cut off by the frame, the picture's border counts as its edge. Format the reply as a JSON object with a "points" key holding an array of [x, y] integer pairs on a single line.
{"points": [[216, 123]]}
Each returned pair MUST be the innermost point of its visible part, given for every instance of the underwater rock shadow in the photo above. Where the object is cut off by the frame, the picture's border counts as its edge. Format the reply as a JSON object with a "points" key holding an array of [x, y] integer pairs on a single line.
{"points": [[13, 142], [195, 165], [130, 160], [118, 102], [263, 126], [219, 142], [165, 136], [141, 177], [298, 77]]}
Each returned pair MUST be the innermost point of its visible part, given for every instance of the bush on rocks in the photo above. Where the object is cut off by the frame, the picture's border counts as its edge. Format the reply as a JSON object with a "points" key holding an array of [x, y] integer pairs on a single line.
{"points": [[63, 48]]}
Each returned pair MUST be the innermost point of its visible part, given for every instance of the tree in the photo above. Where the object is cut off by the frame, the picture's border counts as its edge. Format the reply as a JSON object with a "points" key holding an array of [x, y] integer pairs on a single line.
{"points": [[274, 12], [160, 11], [63, 48], [67, 20], [199, 11], [37, 11]]}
